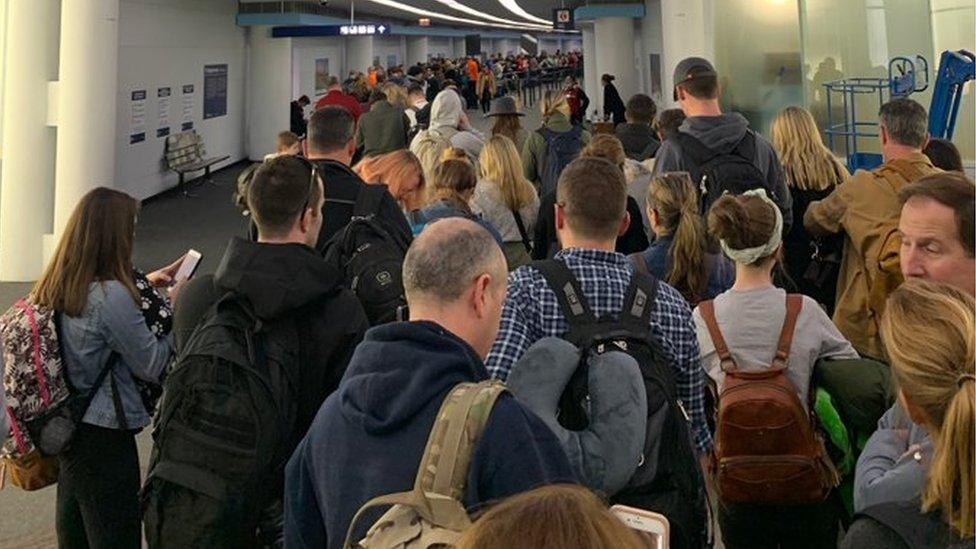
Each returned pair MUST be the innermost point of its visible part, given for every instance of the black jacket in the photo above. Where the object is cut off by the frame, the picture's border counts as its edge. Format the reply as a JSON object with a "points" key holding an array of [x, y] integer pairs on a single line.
{"points": [[368, 438], [639, 141], [613, 105], [298, 123], [545, 244], [284, 281], [342, 187]]}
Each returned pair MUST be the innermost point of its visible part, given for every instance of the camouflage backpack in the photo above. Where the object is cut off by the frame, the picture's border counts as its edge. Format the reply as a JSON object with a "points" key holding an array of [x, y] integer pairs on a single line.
{"points": [[431, 515]]}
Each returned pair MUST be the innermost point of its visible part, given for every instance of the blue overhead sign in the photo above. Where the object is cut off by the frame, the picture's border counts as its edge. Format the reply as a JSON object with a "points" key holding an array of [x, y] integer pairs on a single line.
{"points": [[359, 29]]}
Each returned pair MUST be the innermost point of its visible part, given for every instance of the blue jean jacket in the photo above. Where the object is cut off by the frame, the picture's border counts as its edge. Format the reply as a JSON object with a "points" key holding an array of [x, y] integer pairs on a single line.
{"points": [[111, 322]]}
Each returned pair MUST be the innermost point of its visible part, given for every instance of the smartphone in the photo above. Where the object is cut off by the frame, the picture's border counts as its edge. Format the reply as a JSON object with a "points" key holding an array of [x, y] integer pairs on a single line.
{"points": [[652, 527], [189, 266]]}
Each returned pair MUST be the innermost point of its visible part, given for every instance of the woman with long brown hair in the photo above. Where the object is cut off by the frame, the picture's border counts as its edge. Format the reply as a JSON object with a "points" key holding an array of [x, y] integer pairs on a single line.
{"points": [[90, 284], [508, 121], [811, 172], [681, 255], [551, 517], [450, 192], [928, 331]]}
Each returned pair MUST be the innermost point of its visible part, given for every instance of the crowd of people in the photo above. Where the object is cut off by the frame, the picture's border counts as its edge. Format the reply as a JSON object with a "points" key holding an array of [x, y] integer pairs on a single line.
{"points": [[430, 335]]}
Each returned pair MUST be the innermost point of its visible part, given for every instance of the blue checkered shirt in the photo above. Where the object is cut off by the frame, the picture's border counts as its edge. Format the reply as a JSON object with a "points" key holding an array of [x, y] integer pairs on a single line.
{"points": [[532, 312]]}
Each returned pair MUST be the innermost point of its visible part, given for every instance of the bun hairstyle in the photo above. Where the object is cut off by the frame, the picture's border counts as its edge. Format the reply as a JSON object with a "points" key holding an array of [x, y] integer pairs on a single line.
{"points": [[608, 78], [927, 329], [742, 222]]}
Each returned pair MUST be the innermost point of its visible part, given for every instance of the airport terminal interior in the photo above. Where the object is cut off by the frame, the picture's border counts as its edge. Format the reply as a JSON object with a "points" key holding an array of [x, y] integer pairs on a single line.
{"points": [[544, 273]]}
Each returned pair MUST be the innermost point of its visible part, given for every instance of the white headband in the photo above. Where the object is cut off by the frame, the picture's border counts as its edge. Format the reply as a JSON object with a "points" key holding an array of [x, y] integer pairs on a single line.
{"points": [[749, 256]]}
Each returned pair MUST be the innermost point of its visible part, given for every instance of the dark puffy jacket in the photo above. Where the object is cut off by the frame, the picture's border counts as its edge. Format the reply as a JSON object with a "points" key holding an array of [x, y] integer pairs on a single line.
{"points": [[284, 281], [368, 438]]}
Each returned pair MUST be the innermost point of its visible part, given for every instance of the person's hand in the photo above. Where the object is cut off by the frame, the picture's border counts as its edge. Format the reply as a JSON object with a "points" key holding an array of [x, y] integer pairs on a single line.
{"points": [[164, 277], [463, 123], [174, 292]]}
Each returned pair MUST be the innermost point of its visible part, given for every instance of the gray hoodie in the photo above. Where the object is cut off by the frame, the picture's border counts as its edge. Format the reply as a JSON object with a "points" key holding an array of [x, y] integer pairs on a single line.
{"points": [[894, 462], [722, 133]]}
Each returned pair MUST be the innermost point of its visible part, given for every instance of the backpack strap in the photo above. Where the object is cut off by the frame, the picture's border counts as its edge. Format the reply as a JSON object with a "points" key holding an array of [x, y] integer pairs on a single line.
{"points": [[707, 311], [568, 292], [639, 262], [693, 149], [522, 232], [794, 304], [746, 147], [369, 200], [443, 470], [639, 299]]}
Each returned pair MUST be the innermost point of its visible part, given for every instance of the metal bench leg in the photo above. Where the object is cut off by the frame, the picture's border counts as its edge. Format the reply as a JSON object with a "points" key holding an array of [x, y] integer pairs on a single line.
{"points": [[208, 179], [185, 187]]}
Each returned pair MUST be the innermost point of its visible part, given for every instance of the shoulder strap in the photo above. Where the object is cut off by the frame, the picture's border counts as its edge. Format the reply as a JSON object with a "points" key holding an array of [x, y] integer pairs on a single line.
{"points": [[522, 232], [746, 147], [568, 292], [707, 311], [794, 304], [693, 149], [369, 200], [639, 299]]}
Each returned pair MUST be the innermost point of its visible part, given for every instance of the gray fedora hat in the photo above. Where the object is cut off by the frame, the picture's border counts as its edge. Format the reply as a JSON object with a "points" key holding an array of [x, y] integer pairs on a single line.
{"points": [[504, 105]]}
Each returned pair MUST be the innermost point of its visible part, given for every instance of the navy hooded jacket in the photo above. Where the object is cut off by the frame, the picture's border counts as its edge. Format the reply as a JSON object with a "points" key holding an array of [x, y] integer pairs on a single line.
{"points": [[369, 436]]}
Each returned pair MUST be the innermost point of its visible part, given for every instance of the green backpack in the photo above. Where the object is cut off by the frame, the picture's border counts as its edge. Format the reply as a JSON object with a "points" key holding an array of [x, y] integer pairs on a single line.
{"points": [[432, 515]]}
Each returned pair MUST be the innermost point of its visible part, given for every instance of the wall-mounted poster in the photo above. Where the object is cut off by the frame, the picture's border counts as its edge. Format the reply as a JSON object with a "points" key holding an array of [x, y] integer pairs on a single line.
{"points": [[321, 74], [214, 91], [188, 109], [137, 120], [162, 101]]}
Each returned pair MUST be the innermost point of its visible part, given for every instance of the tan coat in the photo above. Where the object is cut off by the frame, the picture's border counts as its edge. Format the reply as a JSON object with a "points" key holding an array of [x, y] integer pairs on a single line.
{"points": [[865, 208]]}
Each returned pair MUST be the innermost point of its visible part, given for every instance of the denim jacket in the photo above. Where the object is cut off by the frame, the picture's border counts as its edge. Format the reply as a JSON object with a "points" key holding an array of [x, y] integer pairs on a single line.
{"points": [[111, 322]]}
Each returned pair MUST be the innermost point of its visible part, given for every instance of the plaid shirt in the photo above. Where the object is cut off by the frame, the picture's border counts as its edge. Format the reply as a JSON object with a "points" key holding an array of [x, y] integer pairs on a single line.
{"points": [[532, 312]]}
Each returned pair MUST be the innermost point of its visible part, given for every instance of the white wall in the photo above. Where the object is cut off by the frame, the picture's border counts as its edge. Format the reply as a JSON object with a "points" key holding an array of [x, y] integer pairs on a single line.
{"points": [[305, 51], [269, 90], [440, 46], [167, 43], [385, 46]]}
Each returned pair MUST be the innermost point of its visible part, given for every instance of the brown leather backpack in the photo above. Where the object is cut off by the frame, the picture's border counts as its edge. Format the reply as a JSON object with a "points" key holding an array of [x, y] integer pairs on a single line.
{"points": [[767, 449]]}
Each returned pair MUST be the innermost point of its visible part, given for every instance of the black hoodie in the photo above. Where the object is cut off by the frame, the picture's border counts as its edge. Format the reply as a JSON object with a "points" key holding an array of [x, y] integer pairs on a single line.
{"points": [[369, 436], [284, 281]]}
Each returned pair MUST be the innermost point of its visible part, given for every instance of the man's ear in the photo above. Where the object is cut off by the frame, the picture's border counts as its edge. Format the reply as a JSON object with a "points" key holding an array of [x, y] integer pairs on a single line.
{"points": [[928, 137], [624, 224], [883, 134], [560, 216], [479, 294]]}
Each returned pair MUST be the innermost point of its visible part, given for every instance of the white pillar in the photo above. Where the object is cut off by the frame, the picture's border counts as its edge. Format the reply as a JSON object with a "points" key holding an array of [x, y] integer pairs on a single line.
{"points": [[27, 192], [459, 49], [359, 53], [615, 55], [88, 78], [269, 90], [683, 30], [591, 83], [417, 49]]}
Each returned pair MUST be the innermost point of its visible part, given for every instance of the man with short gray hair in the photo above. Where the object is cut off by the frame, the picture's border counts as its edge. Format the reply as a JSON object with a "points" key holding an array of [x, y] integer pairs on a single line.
{"points": [[866, 209], [369, 436]]}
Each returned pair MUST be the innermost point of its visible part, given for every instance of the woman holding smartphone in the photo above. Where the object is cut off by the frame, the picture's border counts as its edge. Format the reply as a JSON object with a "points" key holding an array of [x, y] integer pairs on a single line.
{"points": [[91, 285]]}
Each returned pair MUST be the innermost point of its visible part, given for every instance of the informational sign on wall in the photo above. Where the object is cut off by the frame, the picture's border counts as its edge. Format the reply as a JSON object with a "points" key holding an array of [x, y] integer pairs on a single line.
{"points": [[321, 74], [137, 119], [163, 106], [214, 91], [188, 108]]}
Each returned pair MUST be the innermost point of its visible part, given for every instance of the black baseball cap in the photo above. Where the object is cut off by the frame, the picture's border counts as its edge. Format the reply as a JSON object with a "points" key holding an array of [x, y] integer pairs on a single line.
{"points": [[692, 68]]}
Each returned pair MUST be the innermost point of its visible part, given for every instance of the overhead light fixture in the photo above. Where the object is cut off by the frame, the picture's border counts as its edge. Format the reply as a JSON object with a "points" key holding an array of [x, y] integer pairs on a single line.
{"points": [[454, 4], [512, 6], [438, 15]]}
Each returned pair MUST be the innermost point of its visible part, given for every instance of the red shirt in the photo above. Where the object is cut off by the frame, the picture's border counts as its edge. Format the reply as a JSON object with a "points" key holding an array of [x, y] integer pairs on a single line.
{"points": [[340, 99]]}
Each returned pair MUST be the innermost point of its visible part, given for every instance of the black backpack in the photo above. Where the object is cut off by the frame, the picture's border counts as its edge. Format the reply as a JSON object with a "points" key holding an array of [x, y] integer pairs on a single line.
{"points": [[225, 430], [715, 173], [561, 149], [668, 479], [369, 252]]}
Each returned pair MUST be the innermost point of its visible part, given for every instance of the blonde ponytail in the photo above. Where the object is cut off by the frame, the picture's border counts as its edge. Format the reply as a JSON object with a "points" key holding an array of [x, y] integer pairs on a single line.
{"points": [[928, 331], [674, 197]]}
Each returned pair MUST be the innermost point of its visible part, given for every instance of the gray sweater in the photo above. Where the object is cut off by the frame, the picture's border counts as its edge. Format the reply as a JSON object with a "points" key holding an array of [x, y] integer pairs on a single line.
{"points": [[751, 322], [894, 462], [487, 202]]}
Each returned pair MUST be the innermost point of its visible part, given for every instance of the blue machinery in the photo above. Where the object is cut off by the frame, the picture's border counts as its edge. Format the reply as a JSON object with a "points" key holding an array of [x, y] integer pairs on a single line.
{"points": [[905, 77]]}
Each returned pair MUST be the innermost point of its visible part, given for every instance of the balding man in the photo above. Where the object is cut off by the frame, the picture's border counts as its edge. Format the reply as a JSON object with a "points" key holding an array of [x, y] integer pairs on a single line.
{"points": [[369, 436]]}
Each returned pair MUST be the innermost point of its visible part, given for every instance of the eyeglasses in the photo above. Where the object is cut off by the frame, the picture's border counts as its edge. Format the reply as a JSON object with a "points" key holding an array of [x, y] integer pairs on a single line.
{"points": [[311, 183]]}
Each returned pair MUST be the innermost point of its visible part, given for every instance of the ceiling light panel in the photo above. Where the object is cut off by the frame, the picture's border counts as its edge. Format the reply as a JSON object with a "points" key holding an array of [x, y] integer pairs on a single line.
{"points": [[512, 6], [438, 15]]}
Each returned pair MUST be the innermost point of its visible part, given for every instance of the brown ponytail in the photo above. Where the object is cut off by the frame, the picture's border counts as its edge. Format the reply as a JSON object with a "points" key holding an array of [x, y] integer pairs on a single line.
{"points": [[674, 197], [928, 332]]}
